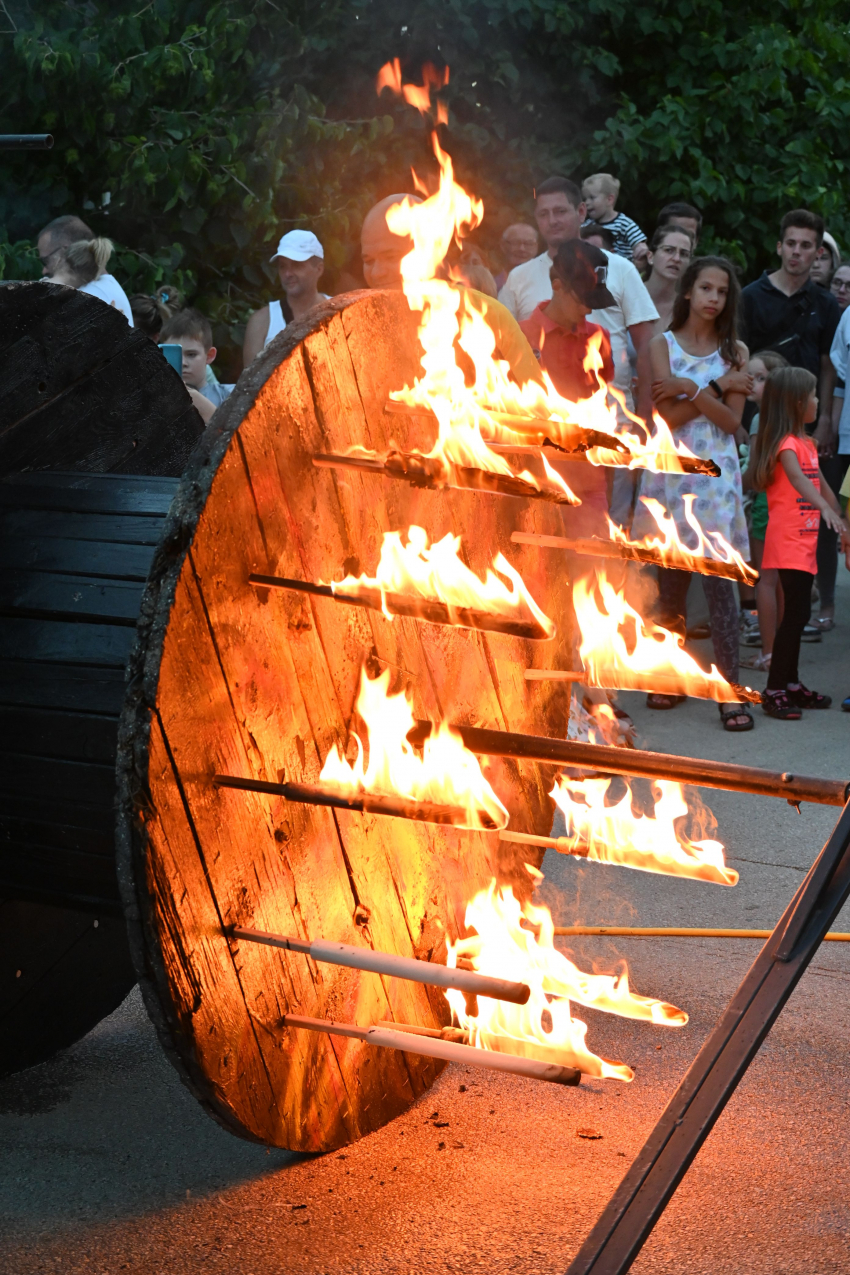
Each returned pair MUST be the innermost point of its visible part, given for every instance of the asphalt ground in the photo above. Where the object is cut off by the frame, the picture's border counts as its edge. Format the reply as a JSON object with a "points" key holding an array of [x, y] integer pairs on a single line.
{"points": [[107, 1163]]}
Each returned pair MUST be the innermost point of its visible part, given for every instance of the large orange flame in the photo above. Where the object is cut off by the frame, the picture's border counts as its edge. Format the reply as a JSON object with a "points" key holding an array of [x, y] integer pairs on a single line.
{"points": [[617, 834], [438, 573], [619, 648], [516, 941], [446, 774], [669, 547]]}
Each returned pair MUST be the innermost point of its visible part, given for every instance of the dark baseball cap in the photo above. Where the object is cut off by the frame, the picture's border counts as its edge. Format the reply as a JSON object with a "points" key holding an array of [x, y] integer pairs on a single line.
{"points": [[583, 268]]}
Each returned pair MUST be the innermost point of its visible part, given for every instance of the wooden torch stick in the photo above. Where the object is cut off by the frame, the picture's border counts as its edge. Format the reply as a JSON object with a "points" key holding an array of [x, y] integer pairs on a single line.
{"points": [[365, 958], [660, 683], [429, 610], [594, 548], [701, 771], [668, 932], [400, 807], [447, 1050]]}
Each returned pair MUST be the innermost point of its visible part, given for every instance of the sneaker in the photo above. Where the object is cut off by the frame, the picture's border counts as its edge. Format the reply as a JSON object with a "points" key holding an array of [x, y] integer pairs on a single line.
{"points": [[811, 634], [802, 697], [777, 704], [751, 637]]}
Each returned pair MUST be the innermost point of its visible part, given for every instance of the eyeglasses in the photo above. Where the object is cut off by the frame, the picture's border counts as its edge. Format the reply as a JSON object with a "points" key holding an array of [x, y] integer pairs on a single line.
{"points": [[45, 261], [841, 285]]}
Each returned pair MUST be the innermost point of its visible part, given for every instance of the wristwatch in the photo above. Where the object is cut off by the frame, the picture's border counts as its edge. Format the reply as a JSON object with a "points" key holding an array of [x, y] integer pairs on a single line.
{"points": [[712, 385]]}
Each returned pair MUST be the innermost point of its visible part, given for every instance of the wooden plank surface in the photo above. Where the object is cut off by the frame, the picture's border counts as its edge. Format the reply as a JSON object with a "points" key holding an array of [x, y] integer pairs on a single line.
{"points": [[64, 969], [256, 682], [83, 390]]}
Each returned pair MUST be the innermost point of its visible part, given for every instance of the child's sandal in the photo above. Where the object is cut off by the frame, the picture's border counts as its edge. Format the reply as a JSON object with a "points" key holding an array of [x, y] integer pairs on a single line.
{"points": [[777, 704], [804, 698]]}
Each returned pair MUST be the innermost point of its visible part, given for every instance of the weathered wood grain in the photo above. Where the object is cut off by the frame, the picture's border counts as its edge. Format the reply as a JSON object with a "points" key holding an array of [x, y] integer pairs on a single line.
{"points": [[231, 678]]}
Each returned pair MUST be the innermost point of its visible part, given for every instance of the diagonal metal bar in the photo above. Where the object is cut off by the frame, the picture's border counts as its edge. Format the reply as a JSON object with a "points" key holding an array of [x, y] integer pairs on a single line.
{"points": [[647, 1188]]}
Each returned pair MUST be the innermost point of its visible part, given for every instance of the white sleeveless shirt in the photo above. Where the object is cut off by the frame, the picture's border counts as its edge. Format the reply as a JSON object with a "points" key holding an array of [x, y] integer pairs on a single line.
{"points": [[276, 321]]}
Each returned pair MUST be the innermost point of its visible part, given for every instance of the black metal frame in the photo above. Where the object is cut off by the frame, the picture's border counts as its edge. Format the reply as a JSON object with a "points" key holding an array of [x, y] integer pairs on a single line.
{"points": [[647, 1188]]}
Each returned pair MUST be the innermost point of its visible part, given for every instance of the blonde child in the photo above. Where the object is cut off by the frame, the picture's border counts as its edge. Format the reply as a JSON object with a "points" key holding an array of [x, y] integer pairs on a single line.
{"points": [[599, 193], [785, 465], [768, 589]]}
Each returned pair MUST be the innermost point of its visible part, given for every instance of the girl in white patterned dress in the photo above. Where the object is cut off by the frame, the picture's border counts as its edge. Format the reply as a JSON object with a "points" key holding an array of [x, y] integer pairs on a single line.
{"points": [[700, 384]]}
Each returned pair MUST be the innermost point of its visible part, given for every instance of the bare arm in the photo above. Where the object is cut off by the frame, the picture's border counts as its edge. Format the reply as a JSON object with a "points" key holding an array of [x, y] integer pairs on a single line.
{"points": [[823, 500], [203, 406], [823, 430], [641, 334], [256, 331], [724, 412]]}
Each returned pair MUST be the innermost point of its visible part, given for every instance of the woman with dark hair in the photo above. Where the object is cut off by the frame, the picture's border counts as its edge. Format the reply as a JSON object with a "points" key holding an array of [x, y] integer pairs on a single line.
{"points": [[669, 252], [700, 384]]}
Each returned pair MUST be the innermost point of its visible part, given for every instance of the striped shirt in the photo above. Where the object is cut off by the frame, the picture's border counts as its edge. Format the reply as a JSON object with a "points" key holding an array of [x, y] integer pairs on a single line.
{"points": [[627, 234]]}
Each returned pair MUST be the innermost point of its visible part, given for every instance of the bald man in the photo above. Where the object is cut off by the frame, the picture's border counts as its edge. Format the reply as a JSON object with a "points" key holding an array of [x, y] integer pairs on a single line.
{"points": [[382, 253], [519, 244]]}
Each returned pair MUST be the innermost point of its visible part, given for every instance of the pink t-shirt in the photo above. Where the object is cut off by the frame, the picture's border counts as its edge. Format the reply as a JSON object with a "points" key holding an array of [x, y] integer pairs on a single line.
{"points": [[792, 529]]}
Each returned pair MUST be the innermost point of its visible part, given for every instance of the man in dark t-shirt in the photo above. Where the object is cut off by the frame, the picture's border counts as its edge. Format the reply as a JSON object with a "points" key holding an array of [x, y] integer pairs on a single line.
{"points": [[786, 311]]}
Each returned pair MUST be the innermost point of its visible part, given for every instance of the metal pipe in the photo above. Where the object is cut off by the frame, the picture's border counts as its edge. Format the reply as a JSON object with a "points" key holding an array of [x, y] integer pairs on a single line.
{"points": [[595, 548], [668, 932], [26, 141], [446, 1050], [430, 610], [365, 958], [634, 761], [361, 802]]}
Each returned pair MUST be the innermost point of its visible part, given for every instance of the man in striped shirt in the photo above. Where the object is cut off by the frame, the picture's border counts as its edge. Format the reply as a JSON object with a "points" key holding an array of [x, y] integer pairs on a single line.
{"points": [[600, 194]]}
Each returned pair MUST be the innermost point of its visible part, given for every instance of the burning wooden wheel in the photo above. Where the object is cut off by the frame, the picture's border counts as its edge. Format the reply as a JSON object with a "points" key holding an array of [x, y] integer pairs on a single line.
{"points": [[232, 678]]}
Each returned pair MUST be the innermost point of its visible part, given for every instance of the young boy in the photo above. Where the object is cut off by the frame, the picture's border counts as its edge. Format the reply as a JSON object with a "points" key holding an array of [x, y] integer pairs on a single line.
{"points": [[600, 195], [190, 329]]}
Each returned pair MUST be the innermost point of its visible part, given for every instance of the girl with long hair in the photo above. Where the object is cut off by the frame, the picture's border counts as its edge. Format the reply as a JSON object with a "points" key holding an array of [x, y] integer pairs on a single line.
{"points": [[785, 465], [700, 384], [768, 588]]}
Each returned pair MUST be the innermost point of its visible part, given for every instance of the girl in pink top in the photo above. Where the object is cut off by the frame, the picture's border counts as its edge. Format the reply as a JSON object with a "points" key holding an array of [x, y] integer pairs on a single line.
{"points": [[785, 465]]}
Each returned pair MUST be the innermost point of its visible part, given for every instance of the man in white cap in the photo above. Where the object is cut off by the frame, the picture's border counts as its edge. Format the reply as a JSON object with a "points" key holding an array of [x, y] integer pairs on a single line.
{"points": [[300, 260]]}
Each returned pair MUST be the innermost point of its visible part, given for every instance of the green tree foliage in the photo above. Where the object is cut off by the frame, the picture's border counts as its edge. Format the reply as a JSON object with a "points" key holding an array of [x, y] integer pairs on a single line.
{"points": [[194, 134], [742, 111]]}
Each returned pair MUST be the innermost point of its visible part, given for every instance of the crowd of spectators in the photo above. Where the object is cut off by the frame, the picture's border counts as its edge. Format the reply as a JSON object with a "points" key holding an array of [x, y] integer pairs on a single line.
{"points": [[756, 373]]}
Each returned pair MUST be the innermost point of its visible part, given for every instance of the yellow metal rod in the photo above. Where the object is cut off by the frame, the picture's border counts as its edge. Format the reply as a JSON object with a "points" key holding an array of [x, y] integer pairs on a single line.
{"points": [[630, 931]]}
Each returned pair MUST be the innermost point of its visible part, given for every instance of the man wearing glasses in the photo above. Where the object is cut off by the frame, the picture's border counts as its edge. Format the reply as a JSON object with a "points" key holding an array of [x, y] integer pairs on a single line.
{"points": [[53, 241]]}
